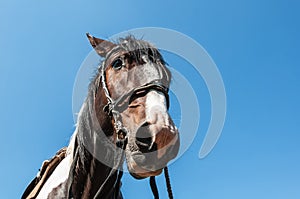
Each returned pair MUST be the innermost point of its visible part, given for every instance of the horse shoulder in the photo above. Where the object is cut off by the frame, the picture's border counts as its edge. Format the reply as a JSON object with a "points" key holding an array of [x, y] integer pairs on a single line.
{"points": [[57, 178]]}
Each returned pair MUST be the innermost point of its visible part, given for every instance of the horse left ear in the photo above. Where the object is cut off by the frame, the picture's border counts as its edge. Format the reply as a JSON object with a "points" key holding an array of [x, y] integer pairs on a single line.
{"points": [[102, 47]]}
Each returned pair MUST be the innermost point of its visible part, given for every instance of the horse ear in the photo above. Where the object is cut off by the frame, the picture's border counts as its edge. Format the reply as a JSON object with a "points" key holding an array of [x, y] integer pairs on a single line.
{"points": [[102, 47]]}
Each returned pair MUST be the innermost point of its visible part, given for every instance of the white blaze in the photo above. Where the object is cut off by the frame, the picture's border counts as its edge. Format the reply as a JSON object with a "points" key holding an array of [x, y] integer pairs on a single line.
{"points": [[156, 109]]}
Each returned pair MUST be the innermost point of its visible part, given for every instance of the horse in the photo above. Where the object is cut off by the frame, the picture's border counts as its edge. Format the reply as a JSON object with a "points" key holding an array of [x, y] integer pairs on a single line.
{"points": [[123, 118]]}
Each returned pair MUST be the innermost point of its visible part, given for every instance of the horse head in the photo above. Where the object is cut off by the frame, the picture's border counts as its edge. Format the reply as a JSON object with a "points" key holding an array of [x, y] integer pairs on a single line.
{"points": [[134, 80]]}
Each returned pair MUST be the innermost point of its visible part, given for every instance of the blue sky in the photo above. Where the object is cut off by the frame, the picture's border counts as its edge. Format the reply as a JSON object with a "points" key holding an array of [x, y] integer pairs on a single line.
{"points": [[255, 45]]}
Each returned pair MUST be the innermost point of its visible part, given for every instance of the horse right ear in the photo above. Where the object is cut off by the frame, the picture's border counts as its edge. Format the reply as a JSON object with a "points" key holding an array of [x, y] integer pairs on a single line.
{"points": [[102, 47]]}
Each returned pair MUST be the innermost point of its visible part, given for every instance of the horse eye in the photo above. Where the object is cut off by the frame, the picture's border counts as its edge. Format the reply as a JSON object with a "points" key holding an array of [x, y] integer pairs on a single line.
{"points": [[117, 64]]}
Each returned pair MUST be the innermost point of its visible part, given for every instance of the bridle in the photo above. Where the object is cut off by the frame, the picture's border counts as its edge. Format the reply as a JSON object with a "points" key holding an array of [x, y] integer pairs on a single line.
{"points": [[115, 106]]}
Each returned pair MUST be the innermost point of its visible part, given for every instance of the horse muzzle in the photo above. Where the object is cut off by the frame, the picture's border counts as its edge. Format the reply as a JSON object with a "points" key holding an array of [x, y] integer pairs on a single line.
{"points": [[153, 152]]}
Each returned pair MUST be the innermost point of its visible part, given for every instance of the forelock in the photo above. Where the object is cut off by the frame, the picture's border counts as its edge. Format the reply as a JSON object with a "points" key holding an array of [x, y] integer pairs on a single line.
{"points": [[138, 48]]}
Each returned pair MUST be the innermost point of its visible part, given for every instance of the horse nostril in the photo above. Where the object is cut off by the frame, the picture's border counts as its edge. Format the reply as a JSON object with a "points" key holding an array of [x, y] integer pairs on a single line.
{"points": [[144, 138]]}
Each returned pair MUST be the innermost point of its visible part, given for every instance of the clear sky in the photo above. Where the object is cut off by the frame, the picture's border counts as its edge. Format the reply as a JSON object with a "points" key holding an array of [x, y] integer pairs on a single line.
{"points": [[255, 45]]}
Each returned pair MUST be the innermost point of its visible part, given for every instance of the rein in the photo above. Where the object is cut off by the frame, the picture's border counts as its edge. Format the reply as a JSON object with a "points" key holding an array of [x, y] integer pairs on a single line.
{"points": [[114, 107]]}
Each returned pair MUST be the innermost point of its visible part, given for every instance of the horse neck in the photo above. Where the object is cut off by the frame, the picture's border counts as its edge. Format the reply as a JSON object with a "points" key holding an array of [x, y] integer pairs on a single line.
{"points": [[90, 177]]}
